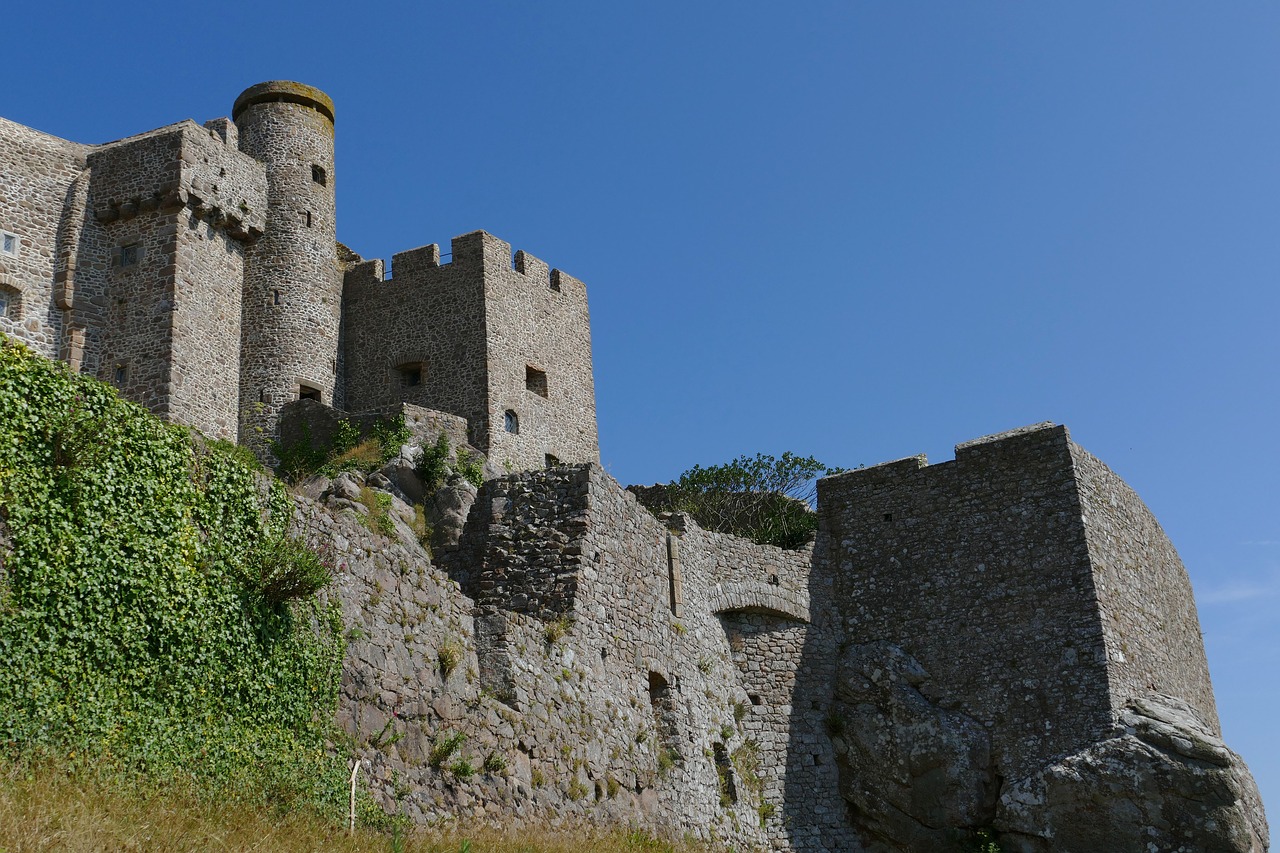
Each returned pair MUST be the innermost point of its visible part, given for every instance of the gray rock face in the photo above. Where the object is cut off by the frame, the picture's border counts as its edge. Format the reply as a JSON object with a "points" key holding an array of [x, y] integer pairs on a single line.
{"points": [[402, 472], [915, 774], [447, 512], [1168, 783]]}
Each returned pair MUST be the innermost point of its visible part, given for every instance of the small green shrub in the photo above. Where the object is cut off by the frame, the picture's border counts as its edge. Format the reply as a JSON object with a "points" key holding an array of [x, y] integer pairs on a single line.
{"points": [[378, 518], [444, 748], [470, 467], [462, 768], [556, 631], [281, 568], [495, 762], [449, 655], [433, 465]]}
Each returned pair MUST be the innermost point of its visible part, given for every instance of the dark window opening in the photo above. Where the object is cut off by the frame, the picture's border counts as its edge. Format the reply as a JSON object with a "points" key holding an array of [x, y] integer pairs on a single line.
{"points": [[511, 422], [129, 255], [306, 218], [410, 374], [817, 759], [275, 297], [888, 516], [724, 772], [552, 461], [664, 713], [262, 396], [318, 175], [306, 392], [6, 303], [754, 697], [535, 380], [122, 373]]}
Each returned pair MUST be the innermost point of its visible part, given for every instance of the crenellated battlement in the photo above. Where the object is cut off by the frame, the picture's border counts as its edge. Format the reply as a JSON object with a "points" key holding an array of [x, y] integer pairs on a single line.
{"points": [[427, 266]]}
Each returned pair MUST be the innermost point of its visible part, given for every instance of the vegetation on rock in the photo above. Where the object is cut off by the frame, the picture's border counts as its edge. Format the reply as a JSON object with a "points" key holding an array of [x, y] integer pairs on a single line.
{"points": [[155, 618]]}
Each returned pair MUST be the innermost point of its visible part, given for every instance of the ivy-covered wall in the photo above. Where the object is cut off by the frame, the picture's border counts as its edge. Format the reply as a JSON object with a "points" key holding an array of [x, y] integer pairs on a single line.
{"points": [[154, 615]]}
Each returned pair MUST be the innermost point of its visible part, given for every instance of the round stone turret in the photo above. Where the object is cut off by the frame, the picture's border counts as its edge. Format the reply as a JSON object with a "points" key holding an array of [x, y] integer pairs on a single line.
{"points": [[293, 284]]}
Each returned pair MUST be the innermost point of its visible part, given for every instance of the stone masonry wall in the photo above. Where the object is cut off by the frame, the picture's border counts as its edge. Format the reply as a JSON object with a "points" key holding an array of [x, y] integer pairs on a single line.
{"points": [[480, 335], [428, 317], [697, 638], [293, 285], [159, 271], [979, 570], [1148, 611], [36, 204], [539, 362]]}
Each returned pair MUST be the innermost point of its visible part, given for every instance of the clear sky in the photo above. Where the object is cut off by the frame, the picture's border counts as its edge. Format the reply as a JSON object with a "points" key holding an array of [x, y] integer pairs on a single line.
{"points": [[857, 230]]}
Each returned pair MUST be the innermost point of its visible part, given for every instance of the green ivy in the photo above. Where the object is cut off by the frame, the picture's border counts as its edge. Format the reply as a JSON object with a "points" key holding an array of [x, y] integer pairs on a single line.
{"points": [[144, 625]]}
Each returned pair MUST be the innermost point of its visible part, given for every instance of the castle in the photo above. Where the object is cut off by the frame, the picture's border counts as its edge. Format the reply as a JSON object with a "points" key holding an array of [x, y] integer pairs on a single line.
{"points": [[1005, 643], [198, 270]]}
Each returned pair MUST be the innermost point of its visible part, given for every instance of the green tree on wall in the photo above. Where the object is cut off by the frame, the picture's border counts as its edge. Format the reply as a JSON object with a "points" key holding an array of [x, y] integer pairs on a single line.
{"points": [[765, 498]]}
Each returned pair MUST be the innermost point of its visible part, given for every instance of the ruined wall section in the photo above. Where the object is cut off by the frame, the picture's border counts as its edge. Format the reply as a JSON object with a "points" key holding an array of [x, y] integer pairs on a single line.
{"points": [[419, 336], [1149, 619], [158, 276], [692, 645], [980, 570], [37, 206]]}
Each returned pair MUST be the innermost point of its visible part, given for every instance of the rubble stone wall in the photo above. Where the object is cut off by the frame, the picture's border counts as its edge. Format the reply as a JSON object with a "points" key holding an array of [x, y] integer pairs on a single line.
{"points": [[1147, 608], [36, 200], [979, 570], [479, 335]]}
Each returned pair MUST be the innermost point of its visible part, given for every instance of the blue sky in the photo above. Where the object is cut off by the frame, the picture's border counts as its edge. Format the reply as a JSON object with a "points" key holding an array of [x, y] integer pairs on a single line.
{"points": [[857, 230]]}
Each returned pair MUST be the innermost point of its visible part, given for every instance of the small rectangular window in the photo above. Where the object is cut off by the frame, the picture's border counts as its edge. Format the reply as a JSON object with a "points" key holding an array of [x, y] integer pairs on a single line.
{"points": [[275, 297], [129, 255], [4, 303], [9, 243], [306, 392], [535, 380], [121, 374], [410, 374], [318, 175]]}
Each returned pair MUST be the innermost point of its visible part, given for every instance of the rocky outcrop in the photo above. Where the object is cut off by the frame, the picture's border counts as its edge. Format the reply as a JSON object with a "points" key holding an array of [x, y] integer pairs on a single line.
{"points": [[916, 775], [1166, 783]]}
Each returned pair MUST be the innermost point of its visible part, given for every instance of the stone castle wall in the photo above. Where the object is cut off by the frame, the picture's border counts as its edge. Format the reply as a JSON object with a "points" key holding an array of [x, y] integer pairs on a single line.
{"points": [[1147, 609], [1021, 577], [292, 285], [479, 336], [36, 203], [428, 317], [164, 261]]}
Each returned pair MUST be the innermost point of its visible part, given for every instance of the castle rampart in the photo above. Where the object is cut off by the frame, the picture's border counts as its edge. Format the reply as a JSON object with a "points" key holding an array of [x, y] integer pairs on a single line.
{"points": [[504, 342], [1009, 589]]}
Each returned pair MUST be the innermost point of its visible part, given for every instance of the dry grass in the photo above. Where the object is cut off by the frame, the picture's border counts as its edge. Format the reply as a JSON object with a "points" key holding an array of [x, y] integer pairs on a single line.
{"points": [[47, 810]]}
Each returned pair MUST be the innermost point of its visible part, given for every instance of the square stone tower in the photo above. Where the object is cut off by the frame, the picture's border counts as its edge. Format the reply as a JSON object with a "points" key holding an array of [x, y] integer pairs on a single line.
{"points": [[499, 339]]}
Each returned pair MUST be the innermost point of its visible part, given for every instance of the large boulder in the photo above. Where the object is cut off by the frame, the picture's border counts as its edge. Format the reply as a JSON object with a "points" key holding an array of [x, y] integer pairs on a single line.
{"points": [[447, 512], [1166, 783], [917, 776]]}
